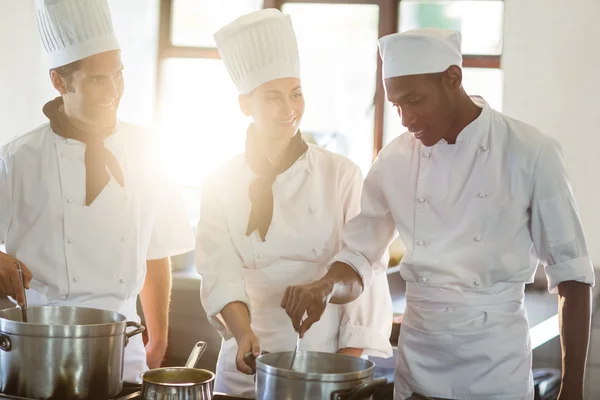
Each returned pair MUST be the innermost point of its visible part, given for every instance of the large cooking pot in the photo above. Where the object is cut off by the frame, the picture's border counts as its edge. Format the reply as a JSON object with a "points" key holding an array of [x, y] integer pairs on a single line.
{"points": [[67, 353], [315, 375]]}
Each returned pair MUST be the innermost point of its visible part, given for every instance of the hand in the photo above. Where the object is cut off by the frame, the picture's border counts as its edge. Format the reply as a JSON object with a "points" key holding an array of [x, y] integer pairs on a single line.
{"points": [[10, 283], [351, 351], [155, 353], [247, 343], [570, 391], [311, 299]]}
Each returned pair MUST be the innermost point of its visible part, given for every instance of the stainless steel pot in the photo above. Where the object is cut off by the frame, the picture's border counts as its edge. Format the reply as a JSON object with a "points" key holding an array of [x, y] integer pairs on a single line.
{"points": [[67, 353], [177, 383], [315, 376]]}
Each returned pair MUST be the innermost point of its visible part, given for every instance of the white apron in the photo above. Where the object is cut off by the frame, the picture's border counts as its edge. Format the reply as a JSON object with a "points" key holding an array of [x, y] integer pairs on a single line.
{"points": [[273, 326], [444, 327]]}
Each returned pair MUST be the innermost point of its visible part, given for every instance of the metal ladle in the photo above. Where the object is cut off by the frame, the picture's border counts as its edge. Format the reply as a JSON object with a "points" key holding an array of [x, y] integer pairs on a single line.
{"points": [[24, 306]]}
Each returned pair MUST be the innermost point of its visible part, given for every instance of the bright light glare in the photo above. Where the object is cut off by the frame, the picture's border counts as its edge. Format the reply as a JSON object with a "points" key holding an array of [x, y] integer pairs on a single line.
{"points": [[200, 123]]}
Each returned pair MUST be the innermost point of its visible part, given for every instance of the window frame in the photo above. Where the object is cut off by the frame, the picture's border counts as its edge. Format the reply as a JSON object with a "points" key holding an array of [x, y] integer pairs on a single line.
{"points": [[388, 24]]}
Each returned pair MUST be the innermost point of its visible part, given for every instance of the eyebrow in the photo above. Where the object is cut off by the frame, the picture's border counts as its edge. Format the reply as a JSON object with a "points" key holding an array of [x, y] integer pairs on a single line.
{"points": [[279, 92]]}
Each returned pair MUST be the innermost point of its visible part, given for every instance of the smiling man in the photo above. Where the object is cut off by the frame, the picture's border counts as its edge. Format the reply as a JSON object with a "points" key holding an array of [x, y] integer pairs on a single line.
{"points": [[477, 198], [83, 207]]}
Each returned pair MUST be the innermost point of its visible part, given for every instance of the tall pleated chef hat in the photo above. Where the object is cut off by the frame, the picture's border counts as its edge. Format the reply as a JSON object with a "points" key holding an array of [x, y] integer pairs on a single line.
{"points": [[72, 30], [259, 47], [420, 51]]}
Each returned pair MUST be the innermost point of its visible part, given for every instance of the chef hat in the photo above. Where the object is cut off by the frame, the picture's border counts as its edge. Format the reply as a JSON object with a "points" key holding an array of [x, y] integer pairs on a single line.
{"points": [[420, 51], [259, 47], [72, 30]]}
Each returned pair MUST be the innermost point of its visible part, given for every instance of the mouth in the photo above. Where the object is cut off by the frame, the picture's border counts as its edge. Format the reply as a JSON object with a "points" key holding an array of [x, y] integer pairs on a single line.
{"points": [[418, 134], [288, 121]]}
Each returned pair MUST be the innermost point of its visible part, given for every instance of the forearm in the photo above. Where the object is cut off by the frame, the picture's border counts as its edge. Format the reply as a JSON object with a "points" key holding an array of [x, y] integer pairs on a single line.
{"points": [[346, 282], [237, 318], [574, 318], [155, 298]]}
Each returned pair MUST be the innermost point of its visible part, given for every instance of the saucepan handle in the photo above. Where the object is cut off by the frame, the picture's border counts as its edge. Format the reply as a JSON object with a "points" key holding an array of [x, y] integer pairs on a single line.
{"points": [[5, 343], [250, 360], [135, 395], [360, 392], [138, 329]]}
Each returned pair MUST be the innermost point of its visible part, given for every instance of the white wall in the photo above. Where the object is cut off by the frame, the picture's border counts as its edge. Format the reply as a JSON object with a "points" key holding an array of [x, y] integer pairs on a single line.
{"points": [[551, 64], [24, 82]]}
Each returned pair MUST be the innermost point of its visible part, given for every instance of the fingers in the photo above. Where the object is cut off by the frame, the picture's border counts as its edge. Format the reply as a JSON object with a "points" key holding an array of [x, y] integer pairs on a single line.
{"points": [[284, 299], [244, 364], [291, 301], [298, 312], [27, 275], [17, 288], [256, 348], [314, 313], [241, 364]]}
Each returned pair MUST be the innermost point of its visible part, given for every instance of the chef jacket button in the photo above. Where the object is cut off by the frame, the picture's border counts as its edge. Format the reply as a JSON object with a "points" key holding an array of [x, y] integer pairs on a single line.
{"points": [[315, 250], [76, 279], [477, 238], [424, 279], [308, 170], [420, 200], [426, 155], [311, 209], [122, 280], [481, 195], [70, 241], [260, 255], [484, 147], [476, 282], [69, 201], [123, 238], [420, 243]]}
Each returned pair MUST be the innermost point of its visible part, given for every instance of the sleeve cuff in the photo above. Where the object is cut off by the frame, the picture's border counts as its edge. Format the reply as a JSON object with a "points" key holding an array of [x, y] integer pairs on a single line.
{"points": [[579, 269], [220, 296], [371, 341], [359, 263]]}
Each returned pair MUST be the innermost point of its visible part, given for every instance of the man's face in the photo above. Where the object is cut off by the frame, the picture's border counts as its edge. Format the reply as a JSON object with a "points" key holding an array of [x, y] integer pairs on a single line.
{"points": [[425, 103], [94, 90], [276, 107]]}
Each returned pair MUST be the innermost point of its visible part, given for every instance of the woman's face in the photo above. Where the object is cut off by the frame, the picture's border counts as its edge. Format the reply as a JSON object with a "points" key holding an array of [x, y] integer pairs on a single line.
{"points": [[276, 107]]}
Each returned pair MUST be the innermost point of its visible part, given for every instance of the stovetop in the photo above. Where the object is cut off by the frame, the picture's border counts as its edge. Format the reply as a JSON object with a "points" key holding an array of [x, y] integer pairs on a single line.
{"points": [[217, 396]]}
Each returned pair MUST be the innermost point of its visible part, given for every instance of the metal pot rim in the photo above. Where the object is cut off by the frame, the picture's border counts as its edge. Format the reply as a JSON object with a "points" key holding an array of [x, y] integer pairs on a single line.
{"points": [[144, 376], [322, 377], [19, 328]]}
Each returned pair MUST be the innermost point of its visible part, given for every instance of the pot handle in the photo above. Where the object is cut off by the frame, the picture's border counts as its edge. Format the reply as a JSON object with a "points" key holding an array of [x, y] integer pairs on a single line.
{"points": [[138, 329], [361, 391], [5, 343], [131, 396]]}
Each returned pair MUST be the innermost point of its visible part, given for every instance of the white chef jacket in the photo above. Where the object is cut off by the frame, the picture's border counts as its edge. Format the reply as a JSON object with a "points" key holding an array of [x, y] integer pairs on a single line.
{"points": [[89, 256], [313, 200], [475, 218]]}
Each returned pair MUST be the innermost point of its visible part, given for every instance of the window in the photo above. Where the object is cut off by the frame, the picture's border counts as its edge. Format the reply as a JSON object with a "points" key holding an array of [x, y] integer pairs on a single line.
{"points": [[341, 72], [480, 23], [338, 56]]}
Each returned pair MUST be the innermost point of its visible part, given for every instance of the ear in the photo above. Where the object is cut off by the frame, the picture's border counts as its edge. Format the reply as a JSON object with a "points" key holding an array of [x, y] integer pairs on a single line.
{"points": [[453, 77], [58, 82], [244, 101]]}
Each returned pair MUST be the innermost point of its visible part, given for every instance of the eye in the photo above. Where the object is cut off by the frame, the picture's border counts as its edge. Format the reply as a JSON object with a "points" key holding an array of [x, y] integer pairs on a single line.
{"points": [[414, 100], [297, 95]]}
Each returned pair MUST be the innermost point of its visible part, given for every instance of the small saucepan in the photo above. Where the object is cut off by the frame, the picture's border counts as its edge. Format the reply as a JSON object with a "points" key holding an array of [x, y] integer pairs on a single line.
{"points": [[176, 383]]}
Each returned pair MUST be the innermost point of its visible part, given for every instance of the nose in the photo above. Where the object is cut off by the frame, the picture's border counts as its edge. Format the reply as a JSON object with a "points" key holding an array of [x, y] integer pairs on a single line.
{"points": [[286, 108], [111, 90], [408, 117]]}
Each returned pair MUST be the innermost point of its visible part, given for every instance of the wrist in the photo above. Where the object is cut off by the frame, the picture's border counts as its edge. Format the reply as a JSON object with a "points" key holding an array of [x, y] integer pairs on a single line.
{"points": [[327, 285]]}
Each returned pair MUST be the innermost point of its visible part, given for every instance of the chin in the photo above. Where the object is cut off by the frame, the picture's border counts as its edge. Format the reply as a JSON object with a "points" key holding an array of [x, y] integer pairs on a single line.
{"points": [[428, 142]]}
